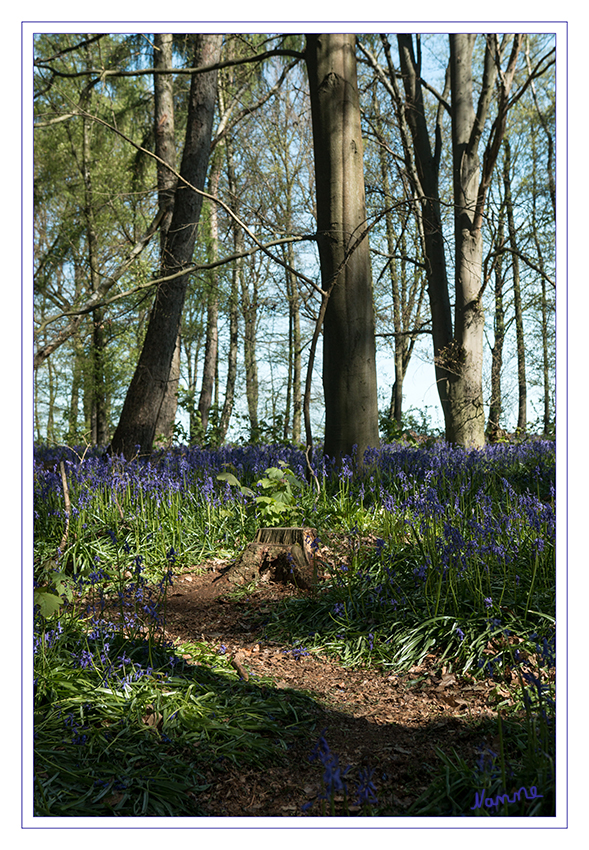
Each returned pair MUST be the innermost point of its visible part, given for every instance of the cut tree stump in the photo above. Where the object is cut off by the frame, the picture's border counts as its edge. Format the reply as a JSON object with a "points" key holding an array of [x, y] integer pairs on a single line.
{"points": [[279, 555]]}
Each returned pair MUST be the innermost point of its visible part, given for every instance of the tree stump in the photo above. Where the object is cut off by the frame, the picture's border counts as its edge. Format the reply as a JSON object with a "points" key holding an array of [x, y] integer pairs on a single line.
{"points": [[277, 554]]}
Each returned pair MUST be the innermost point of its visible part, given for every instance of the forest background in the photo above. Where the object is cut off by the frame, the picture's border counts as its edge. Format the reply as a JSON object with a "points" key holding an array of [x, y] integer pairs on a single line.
{"points": [[253, 314]]}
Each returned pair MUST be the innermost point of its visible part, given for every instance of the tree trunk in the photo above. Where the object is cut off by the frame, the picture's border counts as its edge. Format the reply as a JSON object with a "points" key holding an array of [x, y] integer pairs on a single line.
{"points": [[458, 350], [136, 428], [293, 389], [52, 389], [349, 348], [424, 178], [463, 357], [407, 299], [165, 149], [212, 334], [77, 369], [249, 308], [164, 426], [233, 350], [238, 245], [399, 343], [495, 407], [99, 405], [517, 299]]}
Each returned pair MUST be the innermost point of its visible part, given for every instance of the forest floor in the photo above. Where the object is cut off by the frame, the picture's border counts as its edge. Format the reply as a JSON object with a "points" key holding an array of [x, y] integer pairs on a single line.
{"points": [[370, 718]]}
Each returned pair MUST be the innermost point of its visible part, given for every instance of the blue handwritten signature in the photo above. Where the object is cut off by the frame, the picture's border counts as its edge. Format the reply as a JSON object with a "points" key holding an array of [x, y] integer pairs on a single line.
{"points": [[504, 798]]}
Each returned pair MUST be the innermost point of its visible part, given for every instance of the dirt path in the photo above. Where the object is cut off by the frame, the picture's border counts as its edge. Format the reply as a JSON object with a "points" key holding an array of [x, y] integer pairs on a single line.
{"points": [[372, 719]]}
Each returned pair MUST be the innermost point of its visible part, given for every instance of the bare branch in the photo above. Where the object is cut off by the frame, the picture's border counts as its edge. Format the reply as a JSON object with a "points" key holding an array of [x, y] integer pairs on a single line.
{"points": [[94, 301], [209, 197], [87, 308], [102, 73], [223, 128]]}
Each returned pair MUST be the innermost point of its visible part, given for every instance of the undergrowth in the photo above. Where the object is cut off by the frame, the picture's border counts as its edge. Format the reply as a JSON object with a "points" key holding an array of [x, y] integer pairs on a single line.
{"points": [[441, 551]]}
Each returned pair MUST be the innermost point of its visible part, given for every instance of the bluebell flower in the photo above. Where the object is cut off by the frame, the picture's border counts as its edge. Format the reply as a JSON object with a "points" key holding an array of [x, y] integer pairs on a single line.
{"points": [[365, 788]]}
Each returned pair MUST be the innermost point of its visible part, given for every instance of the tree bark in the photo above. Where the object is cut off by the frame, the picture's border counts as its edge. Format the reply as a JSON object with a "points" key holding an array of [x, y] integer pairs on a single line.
{"points": [[99, 405], [544, 324], [212, 332], [463, 358], [349, 348], [236, 276], [77, 370], [458, 346], [495, 406], [517, 299], [249, 308], [424, 176], [136, 428], [165, 149]]}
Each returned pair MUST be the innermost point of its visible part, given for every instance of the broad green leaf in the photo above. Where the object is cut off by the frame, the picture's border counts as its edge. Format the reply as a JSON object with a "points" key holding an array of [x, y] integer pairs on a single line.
{"points": [[48, 602], [228, 476]]}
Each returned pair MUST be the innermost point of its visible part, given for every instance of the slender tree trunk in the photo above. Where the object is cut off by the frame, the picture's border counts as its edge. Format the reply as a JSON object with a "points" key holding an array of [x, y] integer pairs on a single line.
{"points": [[407, 299], [212, 333], [349, 348], [136, 427], [495, 407], [164, 131], [233, 350], [297, 402], [77, 375], [192, 361], [165, 149], [99, 413], [396, 411], [458, 349], [424, 176], [293, 396], [545, 361], [52, 389], [249, 307], [517, 298], [544, 303], [237, 273]]}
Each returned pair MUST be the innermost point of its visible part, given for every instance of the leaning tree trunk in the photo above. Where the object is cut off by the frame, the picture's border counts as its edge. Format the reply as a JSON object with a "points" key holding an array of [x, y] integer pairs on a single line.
{"points": [[349, 348], [423, 171], [136, 428]]}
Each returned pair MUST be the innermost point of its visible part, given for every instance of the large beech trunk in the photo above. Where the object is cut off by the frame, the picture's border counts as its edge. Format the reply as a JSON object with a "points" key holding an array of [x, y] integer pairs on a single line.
{"points": [[463, 357], [349, 350], [136, 429]]}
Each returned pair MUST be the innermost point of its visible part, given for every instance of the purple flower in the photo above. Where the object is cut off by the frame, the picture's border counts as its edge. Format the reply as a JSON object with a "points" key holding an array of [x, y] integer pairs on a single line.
{"points": [[365, 788]]}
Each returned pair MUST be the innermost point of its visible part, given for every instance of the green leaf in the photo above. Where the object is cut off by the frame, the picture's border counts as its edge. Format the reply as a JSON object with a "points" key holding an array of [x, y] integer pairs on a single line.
{"points": [[228, 476], [48, 602], [275, 474]]}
